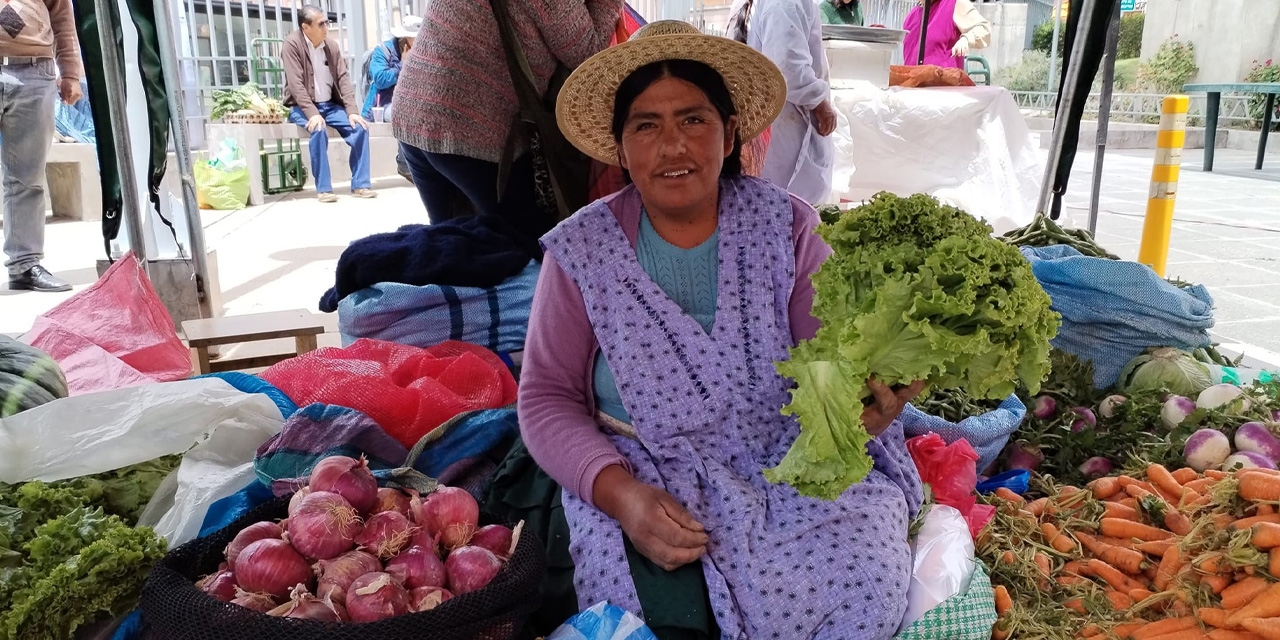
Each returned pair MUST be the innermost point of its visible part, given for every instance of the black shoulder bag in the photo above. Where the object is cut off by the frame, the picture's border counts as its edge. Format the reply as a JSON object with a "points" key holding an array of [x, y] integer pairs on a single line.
{"points": [[561, 172]]}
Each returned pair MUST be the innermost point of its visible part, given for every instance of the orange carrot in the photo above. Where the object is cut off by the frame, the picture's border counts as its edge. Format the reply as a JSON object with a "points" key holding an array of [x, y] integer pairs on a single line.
{"points": [[1036, 507], [1113, 576], [1008, 494], [1008, 558], [1056, 539], [1123, 543], [1273, 565], [1003, 602], [1266, 535], [1000, 631], [1126, 560], [1126, 629], [1117, 510], [1240, 593], [1089, 630], [1185, 475], [1226, 634], [1202, 485], [1139, 595], [1223, 520], [1264, 605], [1213, 617], [1149, 572], [1215, 474], [1259, 486], [1177, 522], [1216, 582], [1140, 490], [1042, 563], [1156, 548], [1119, 601], [1104, 488], [1166, 626], [1170, 564], [1117, 528], [1068, 580], [1068, 490], [1263, 510], [1245, 523], [1268, 628], [1076, 604], [1076, 567], [1211, 563]]}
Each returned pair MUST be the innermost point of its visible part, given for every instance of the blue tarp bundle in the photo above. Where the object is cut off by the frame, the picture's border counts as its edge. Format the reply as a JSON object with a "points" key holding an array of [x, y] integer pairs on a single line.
{"points": [[987, 433], [1112, 310], [496, 318]]}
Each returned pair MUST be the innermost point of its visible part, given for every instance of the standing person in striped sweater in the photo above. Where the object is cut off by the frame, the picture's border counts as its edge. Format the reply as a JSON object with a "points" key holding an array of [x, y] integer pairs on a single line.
{"points": [[456, 103]]}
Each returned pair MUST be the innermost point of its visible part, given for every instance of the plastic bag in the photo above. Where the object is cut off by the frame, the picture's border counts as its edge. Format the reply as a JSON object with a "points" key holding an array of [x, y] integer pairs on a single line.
{"points": [[949, 470], [943, 562], [222, 183], [603, 621], [114, 334], [967, 616], [987, 433], [95, 433]]}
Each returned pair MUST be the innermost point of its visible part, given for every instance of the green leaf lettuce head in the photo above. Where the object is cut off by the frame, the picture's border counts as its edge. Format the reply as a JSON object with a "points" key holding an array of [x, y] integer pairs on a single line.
{"points": [[914, 290]]}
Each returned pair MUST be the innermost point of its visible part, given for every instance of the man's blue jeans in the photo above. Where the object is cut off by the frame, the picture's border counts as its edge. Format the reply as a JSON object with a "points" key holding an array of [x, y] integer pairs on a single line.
{"points": [[358, 139], [26, 126]]}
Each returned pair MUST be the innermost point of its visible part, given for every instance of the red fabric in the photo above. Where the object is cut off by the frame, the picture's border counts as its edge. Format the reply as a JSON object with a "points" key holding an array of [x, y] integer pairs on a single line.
{"points": [[408, 391], [952, 474]]}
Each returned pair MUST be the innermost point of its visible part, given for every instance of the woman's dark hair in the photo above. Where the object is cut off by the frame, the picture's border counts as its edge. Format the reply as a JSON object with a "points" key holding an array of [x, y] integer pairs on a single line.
{"points": [[696, 73]]}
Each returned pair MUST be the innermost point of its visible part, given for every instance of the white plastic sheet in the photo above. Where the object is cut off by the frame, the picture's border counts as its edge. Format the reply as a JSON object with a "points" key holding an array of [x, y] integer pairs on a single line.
{"points": [[968, 146], [99, 432], [944, 561]]}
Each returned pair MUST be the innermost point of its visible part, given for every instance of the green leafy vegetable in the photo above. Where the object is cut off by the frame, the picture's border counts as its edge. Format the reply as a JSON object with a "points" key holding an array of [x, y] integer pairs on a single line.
{"points": [[914, 291], [248, 98]]}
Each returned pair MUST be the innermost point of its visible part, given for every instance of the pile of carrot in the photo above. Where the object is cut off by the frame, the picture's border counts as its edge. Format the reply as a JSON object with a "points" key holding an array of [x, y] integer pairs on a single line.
{"points": [[1163, 555]]}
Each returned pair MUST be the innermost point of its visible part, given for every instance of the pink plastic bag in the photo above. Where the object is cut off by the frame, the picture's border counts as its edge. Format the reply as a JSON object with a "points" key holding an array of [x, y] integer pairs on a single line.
{"points": [[114, 334], [952, 475]]}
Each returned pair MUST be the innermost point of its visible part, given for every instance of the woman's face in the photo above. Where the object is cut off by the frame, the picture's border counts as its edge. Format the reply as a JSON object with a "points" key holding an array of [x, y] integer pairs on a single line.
{"points": [[674, 144]]}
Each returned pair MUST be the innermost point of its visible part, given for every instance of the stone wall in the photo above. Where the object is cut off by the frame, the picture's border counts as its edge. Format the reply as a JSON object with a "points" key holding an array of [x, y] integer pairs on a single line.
{"points": [[1008, 33], [1229, 35]]}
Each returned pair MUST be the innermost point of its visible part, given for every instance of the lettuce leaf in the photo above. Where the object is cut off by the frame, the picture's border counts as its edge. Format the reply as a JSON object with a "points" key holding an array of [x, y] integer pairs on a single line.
{"points": [[913, 291]]}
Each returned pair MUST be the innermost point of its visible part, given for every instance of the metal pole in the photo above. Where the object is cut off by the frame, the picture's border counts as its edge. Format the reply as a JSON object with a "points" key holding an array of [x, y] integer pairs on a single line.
{"points": [[115, 86], [1066, 100], [924, 30], [1053, 45], [1104, 115], [182, 151]]}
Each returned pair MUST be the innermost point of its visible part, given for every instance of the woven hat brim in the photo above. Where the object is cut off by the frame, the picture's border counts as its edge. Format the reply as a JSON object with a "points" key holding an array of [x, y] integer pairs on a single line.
{"points": [[584, 108]]}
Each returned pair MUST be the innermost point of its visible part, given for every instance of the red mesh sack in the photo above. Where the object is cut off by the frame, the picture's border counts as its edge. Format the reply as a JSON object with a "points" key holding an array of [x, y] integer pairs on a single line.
{"points": [[407, 390], [950, 471]]}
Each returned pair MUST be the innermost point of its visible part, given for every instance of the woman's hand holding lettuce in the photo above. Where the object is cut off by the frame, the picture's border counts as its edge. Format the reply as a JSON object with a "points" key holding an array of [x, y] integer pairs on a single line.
{"points": [[913, 291]]}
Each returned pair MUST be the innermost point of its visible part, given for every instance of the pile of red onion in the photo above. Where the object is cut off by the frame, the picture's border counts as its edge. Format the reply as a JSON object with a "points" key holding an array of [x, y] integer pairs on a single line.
{"points": [[352, 552]]}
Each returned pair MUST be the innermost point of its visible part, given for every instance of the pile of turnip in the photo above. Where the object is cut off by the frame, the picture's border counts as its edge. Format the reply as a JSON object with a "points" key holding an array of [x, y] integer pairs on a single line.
{"points": [[350, 551], [1256, 445]]}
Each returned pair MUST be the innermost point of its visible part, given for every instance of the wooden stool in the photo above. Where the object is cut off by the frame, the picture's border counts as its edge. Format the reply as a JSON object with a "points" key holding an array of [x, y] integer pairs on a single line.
{"points": [[299, 324]]}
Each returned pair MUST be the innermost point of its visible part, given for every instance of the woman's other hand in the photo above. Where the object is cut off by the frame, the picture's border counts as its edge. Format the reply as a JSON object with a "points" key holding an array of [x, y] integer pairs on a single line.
{"points": [[962, 48], [824, 118], [656, 524], [888, 404]]}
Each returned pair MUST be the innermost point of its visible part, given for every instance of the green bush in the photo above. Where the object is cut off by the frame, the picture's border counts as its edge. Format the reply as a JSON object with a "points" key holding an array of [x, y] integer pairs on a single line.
{"points": [[1130, 43], [1172, 66], [1126, 74], [1029, 75], [1268, 72], [1043, 35]]}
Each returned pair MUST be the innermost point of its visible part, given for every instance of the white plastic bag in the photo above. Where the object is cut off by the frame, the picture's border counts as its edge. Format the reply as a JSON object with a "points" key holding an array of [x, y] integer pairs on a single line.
{"points": [[99, 432], [943, 564]]}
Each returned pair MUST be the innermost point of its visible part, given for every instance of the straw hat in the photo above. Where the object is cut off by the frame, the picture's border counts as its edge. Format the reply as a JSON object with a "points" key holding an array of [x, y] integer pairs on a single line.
{"points": [[409, 29], [584, 107]]}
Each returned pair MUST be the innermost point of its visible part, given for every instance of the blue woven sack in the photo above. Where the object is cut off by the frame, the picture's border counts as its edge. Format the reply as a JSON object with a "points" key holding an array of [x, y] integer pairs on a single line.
{"points": [[987, 433]]}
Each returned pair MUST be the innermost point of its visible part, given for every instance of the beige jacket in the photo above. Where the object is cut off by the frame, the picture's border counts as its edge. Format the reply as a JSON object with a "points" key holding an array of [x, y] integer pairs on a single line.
{"points": [[973, 27]]}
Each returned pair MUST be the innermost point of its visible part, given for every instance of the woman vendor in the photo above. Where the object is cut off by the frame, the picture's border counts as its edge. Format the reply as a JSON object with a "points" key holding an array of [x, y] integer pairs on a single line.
{"points": [[649, 391], [847, 12], [955, 27]]}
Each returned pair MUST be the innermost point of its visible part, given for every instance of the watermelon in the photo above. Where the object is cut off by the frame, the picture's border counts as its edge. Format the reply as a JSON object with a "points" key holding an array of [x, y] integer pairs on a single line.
{"points": [[28, 378]]}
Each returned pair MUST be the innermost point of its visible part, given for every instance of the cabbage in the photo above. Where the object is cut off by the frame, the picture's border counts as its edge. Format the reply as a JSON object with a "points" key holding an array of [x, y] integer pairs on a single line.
{"points": [[1164, 369], [913, 291]]}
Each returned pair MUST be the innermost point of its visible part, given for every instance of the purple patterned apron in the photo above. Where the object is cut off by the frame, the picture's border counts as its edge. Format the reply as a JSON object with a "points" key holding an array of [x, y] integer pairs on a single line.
{"points": [[706, 412], [942, 36]]}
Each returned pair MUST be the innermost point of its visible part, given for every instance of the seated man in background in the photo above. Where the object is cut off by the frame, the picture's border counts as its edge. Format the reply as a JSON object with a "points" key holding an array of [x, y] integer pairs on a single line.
{"points": [[318, 88]]}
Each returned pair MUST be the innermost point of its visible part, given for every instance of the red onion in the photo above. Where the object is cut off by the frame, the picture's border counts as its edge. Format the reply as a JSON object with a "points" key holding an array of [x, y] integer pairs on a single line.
{"points": [[338, 574], [391, 500], [450, 514], [297, 499], [423, 538], [220, 585], [248, 535], [348, 478], [257, 601], [495, 538], [471, 568], [385, 534], [376, 596], [272, 567], [428, 598], [1024, 456], [303, 605], [324, 526], [417, 567]]}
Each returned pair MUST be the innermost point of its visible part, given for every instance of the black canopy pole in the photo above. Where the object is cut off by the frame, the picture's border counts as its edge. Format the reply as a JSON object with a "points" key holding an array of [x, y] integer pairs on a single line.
{"points": [[1104, 115], [924, 30]]}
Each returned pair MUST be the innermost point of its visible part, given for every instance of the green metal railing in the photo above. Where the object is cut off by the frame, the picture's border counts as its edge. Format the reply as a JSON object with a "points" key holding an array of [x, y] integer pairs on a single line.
{"points": [[282, 168]]}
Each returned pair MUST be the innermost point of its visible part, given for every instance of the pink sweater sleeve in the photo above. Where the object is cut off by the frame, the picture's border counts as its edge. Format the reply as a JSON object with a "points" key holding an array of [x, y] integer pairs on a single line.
{"points": [[811, 252], [555, 396]]}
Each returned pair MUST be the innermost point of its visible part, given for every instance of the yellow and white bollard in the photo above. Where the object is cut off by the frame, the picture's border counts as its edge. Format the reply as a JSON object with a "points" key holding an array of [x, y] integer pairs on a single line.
{"points": [[1154, 251]]}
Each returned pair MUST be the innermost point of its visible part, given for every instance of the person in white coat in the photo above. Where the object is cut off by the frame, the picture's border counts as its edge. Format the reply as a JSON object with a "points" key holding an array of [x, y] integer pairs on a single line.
{"points": [[789, 32]]}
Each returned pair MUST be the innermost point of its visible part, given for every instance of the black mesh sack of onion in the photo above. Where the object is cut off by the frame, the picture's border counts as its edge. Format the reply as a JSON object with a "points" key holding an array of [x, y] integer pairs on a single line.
{"points": [[173, 608]]}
